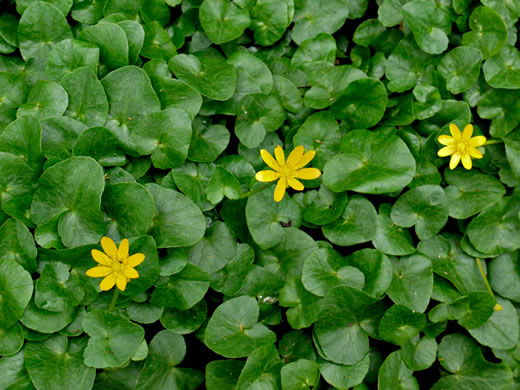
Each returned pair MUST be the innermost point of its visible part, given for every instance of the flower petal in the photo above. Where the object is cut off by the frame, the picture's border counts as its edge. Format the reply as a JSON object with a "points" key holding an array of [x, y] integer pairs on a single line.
{"points": [[279, 191], [307, 157], [280, 156], [134, 260], [269, 160], [123, 249], [446, 139], [479, 140], [121, 281], [446, 151], [308, 173], [107, 283], [295, 184], [475, 153], [267, 176], [99, 272], [455, 132], [295, 156], [455, 158], [100, 257], [109, 246], [130, 273], [466, 161], [468, 132]]}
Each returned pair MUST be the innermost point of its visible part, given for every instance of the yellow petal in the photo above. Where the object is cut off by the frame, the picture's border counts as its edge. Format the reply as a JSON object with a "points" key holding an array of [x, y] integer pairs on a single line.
{"points": [[109, 246], [266, 176], [475, 153], [295, 184], [468, 132], [100, 257], [279, 191], [455, 132], [455, 158], [269, 160], [479, 140], [307, 157], [445, 139], [123, 249], [280, 156], [295, 156], [121, 281], [446, 151], [466, 161], [107, 283], [99, 272], [130, 273], [308, 173], [134, 260]]}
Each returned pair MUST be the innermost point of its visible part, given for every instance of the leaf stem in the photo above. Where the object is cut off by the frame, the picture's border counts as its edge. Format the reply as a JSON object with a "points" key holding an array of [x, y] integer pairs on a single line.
{"points": [[493, 141], [114, 299], [255, 191], [498, 306]]}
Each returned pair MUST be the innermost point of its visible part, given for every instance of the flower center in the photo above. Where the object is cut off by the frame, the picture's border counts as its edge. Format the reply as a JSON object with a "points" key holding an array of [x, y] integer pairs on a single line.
{"points": [[286, 171], [462, 146], [117, 266]]}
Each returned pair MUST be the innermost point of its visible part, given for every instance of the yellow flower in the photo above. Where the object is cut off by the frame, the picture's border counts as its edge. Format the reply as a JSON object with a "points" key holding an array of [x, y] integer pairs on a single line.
{"points": [[115, 265], [287, 172], [461, 146]]}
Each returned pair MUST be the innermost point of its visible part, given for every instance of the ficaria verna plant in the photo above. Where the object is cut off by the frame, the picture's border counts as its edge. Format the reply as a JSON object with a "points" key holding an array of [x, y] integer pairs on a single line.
{"points": [[259, 194]]}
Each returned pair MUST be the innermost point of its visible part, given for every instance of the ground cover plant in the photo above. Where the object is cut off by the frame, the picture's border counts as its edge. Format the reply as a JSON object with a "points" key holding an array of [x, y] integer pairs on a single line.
{"points": [[259, 194]]}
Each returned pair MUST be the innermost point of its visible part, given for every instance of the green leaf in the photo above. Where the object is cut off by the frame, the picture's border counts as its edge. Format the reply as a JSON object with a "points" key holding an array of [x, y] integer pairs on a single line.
{"points": [[300, 374], [233, 330], [130, 104], [167, 350], [493, 231], [207, 143], [503, 69], [232, 277], [339, 331], [182, 290], [296, 345], [185, 321], [176, 93], [58, 362], [112, 42], [343, 377], [372, 163], [488, 31], [45, 321], [192, 179], [501, 329], [358, 109], [503, 108], [470, 192], [355, 226], [222, 183], [390, 238], [223, 374], [287, 94], [177, 221], [399, 324], [223, 20], [460, 68], [77, 198], [45, 99], [376, 268], [266, 218], [253, 75], [262, 369], [144, 313], [16, 177], [504, 275], [11, 340], [512, 143], [394, 374], [157, 42], [471, 311], [316, 52], [270, 19], [15, 375], [312, 17], [100, 144], [419, 354], [87, 99], [389, 13], [165, 135], [257, 115], [113, 339], [368, 31], [412, 282], [41, 26], [209, 75], [17, 287], [56, 290], [426, 207], [17, 243], [326, 206], [59, 134], [303, 306], [463, 358]]}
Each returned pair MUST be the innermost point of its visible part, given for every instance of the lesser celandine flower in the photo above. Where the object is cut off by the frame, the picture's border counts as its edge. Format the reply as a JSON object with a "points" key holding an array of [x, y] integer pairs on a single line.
{"points": [[461, 147], [287, 172], [115, 265]]}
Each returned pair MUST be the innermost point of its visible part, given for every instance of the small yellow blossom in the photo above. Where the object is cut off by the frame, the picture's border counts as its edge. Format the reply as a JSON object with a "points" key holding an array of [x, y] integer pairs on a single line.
{"points": [[287, 172], [461, 147], [115, 265]]}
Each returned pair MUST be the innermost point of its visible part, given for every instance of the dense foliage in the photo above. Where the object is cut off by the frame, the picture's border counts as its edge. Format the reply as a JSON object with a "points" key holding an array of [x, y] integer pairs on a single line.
{"points": [[144, 120]]}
